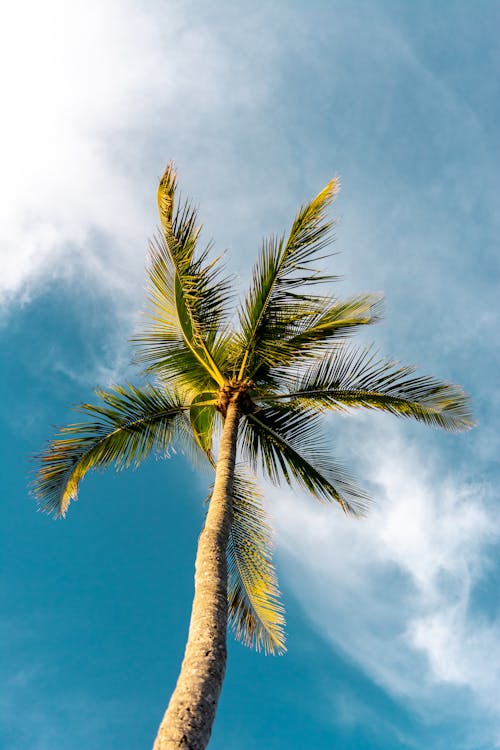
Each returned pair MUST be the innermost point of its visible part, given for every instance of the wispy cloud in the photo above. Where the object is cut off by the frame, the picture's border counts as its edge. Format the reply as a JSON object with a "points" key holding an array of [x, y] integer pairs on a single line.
{"points": [[93, 92], [70, 92], [394, 590]]}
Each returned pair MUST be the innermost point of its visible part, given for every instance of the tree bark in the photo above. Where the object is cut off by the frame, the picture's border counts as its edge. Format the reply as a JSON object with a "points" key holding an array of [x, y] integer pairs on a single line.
{"points": [[190, 714]]}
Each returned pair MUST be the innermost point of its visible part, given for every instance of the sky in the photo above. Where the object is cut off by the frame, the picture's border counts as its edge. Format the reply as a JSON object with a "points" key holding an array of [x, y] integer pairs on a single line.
{"points": [[393, 621]]}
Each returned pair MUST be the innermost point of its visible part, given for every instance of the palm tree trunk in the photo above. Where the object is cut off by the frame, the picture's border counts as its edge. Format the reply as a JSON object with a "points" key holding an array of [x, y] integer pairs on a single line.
{"points": [[190, 714]]}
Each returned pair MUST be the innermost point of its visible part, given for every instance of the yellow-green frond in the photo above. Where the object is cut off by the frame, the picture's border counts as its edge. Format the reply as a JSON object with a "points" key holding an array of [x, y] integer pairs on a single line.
{"points": [[165, 195], [353, 378], [278, 298], [313, 333], [202, 416], [127, 424], [187, 293], [256, 614], [286, 443]]}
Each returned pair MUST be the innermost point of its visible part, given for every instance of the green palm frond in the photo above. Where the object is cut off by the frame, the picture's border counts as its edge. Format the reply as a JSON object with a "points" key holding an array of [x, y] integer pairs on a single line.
{"points": [[256, 614], [337, 319], [187, 294], [161, 345], [277, 301], [310, 334], [125, 427], [348, 378], [202, 418], [286, 443], [196, 285]]}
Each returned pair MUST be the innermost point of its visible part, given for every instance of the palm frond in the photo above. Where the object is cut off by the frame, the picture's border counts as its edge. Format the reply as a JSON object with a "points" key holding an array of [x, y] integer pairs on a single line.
{"points": [[256, 614], [187, 293], [314, 333], [286, 443], [202, 414], [170, 360], [337, 319], [275, 302], [358, 378], [125, 427]]}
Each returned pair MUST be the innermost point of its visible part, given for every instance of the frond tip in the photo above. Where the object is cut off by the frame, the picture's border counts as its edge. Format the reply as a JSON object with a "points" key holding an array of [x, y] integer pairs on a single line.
{"points": [[187, 292], [358, 378], [286, 444], [126, 426], [278, 298], [256, 614]]}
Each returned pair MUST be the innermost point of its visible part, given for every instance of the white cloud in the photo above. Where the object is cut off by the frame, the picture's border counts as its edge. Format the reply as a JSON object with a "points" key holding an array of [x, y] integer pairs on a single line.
{"points": [[393, 591], [89, 91], [63, 88]]}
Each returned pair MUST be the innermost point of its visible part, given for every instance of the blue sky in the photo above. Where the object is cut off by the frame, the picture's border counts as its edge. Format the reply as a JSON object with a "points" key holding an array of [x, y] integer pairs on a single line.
{"points": [[393, 621]]}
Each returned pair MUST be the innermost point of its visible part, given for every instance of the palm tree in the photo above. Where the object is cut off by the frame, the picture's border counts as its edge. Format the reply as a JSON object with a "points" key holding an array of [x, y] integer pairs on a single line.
{"points": [[257, 389]]}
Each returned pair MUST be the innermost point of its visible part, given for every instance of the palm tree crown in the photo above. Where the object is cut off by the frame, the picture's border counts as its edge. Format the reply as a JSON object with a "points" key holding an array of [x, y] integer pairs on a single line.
{"points": [[285, 362]]}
